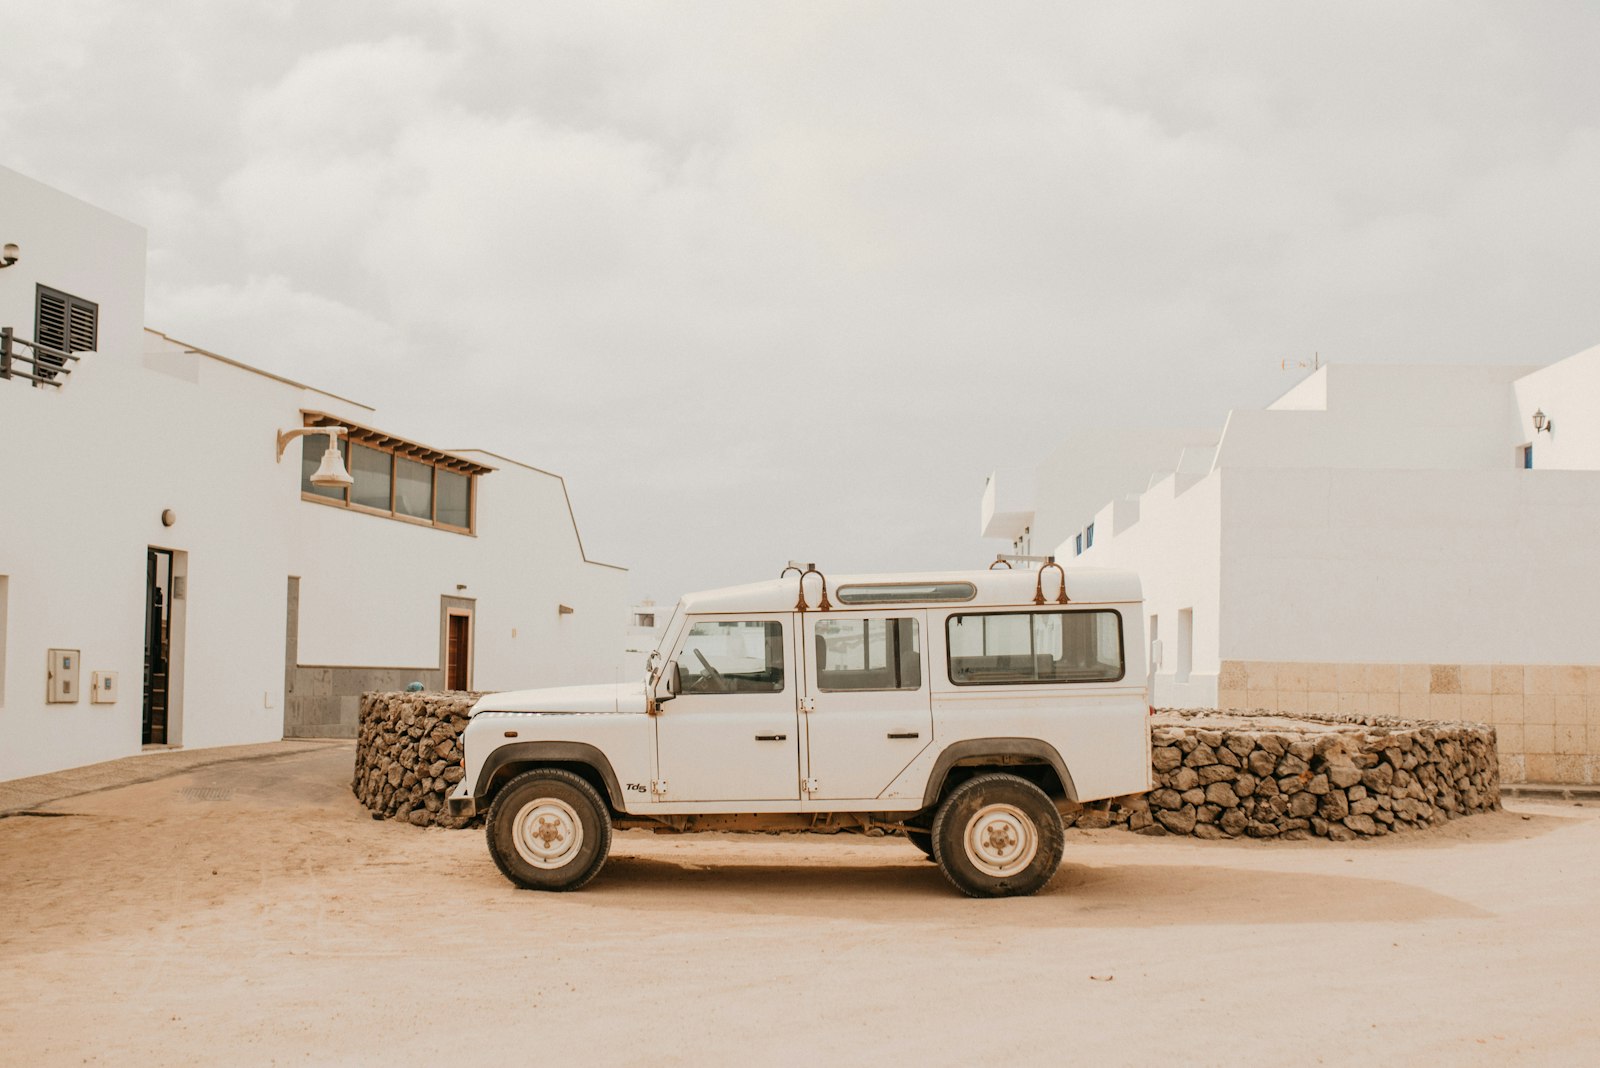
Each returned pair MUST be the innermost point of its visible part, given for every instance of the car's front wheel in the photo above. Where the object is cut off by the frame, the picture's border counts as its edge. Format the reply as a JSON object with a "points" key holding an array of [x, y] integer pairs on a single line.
{"points": [[548, 829], [998, 835], [921, 839]]}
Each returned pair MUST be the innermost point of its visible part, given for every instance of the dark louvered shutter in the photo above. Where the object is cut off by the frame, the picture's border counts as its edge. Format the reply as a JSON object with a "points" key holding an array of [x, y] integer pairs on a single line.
{"points": [[66, 324]]}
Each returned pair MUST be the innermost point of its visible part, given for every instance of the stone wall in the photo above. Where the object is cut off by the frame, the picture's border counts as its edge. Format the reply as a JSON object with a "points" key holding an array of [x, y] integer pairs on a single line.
{"points": [[1216, 776], [1338, 778], [408, 755]]}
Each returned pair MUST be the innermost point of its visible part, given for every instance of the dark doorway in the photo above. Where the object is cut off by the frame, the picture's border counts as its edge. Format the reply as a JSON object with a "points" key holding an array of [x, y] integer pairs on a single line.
{"points": [[157, 644], [458, 652]]}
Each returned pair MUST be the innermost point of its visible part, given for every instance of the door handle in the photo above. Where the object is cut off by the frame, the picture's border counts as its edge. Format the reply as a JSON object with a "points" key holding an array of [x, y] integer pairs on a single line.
{"points": [[771, 737], [905, 734]]}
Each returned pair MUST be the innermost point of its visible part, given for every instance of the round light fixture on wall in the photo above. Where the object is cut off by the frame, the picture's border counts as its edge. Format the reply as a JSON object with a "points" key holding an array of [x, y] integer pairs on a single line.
{"points": [[168, 517]]}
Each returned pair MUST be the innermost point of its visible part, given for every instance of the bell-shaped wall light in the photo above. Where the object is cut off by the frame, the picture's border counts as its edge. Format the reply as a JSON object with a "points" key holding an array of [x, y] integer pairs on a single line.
{"points": [[331, 473]]}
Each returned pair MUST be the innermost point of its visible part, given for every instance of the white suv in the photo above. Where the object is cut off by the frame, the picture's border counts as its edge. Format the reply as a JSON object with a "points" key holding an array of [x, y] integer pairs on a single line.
{"points": [[965, 710]]}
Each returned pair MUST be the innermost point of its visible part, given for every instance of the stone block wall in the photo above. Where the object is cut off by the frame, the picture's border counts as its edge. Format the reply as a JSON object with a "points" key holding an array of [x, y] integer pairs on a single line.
{"points": [[1216, 776], [408, 755], [1547, 716], [1266, 777]]}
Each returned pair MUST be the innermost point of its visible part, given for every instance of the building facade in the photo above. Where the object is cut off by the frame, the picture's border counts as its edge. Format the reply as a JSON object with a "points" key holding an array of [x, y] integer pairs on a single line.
{"points": [[645, 624], [167, 579], [1383, 539]]}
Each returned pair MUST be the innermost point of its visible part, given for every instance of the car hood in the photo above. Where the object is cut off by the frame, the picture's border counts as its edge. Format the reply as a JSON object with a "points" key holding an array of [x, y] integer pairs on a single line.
{"points": [[607, 697]]}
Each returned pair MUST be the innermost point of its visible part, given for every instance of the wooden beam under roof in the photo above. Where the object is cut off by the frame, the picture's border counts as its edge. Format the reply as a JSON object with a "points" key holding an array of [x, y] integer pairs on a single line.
{"points": [[366, 435]]}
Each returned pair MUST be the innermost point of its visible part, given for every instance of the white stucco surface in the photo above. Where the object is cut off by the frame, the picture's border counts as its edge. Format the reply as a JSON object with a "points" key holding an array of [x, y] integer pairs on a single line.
{"points": [[1410, 566], [1567, 393]]}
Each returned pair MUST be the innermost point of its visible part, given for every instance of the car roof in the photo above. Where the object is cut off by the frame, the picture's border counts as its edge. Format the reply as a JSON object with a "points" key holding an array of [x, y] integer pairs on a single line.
{"points": [[998, 588]]}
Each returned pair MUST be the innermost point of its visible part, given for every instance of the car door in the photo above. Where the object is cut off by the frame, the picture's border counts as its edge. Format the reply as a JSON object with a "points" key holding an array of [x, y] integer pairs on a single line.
{"points": [[869, 711], [732, 733]]}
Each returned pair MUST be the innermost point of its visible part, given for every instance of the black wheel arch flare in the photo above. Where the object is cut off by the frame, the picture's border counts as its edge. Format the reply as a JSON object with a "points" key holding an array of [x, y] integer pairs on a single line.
{"points": [[530, 754], [1004, 752]]}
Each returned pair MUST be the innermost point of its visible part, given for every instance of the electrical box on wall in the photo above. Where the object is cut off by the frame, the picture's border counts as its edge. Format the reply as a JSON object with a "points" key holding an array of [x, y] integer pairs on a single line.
{"points": [[62, 677], [104, 690]]}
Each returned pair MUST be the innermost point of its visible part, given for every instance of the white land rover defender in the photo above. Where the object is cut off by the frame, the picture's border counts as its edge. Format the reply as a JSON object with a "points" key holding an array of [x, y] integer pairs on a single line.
{"points": [[964, 710]]}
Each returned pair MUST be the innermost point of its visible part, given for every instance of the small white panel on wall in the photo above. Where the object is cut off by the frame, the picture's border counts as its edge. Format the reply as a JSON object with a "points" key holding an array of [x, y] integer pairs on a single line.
{"points": [[104, 691], [61, 687]]}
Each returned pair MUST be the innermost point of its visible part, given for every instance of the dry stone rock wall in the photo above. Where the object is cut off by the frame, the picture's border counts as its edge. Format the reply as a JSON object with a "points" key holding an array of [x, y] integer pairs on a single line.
{"points": [[408, 755], [1223, 776], [1216, 776]]}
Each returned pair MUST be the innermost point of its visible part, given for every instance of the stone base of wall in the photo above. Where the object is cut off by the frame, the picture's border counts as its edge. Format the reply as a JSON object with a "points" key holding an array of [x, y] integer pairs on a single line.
{"points": [[1547, 717], [1339, 778], [325, 702], [408, 755]]}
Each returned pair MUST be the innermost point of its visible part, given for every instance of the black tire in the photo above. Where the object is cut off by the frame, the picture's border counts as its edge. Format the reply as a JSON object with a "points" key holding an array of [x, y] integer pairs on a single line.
{"points": [[997, 836], [531, 829], [923, 840]]}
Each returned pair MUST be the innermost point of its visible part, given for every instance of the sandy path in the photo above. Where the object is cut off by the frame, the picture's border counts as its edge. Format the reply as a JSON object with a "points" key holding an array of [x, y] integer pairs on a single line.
{"points": [[252, 913]]}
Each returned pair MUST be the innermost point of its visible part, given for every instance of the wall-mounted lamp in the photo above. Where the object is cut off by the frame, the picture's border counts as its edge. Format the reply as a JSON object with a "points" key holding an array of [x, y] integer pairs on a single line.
{"points": [[1541, 423], [9, 254], [332, 473]]}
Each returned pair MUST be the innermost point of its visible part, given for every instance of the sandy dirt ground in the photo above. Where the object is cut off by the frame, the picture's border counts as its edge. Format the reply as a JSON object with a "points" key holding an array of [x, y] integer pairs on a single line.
{"points": [[252, 913]]}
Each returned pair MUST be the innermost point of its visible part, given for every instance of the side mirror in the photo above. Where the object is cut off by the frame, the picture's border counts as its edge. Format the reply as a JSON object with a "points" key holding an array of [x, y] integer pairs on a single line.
{"points": [[1155, 655], [668, 683]]}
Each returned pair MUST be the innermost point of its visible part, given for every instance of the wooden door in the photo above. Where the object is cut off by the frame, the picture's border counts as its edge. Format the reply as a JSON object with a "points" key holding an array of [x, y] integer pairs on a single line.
{"points": [[458, 653]]}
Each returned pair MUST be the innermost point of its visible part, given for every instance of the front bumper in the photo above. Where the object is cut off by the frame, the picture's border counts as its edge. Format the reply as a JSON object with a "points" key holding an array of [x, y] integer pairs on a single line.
{"points": [[460, 802]]}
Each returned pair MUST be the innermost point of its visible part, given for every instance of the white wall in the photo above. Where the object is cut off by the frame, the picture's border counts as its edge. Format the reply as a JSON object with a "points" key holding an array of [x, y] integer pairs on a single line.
{"points": [[524, 563], [1175, 548], [1568, 393], [1411, 416], [57, 487], [1410, 566], [1092, 467]]}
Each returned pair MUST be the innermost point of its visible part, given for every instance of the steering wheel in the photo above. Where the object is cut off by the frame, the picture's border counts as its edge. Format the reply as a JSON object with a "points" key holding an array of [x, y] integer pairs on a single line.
{"points": [[712, 673]]}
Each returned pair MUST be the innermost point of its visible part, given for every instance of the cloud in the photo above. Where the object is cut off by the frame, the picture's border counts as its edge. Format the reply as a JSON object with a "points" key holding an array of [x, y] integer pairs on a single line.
{"points": [[788, 279]]}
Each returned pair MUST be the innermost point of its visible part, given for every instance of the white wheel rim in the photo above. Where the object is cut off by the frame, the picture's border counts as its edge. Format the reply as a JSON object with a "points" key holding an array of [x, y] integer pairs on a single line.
{"points": [[547, 833], [1000, 840]]}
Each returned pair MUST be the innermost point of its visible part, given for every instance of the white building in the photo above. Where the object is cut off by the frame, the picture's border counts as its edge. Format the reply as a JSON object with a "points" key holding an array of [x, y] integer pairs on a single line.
{"points": [[1394, 540], [645, 623], [165, 580]]}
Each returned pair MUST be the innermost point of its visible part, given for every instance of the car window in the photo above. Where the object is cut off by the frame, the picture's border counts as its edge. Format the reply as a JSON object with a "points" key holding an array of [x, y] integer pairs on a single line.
{"points": [[1008, 648], [867, 654], [732, 656]]}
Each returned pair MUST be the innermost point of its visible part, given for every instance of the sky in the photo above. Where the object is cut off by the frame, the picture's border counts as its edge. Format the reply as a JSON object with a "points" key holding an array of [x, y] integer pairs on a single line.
{"points": [[787, 281]]}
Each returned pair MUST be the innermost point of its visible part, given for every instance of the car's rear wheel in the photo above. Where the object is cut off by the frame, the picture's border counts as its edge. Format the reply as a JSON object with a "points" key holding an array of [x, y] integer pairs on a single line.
{"points": [[548, 829], [998, 835]]}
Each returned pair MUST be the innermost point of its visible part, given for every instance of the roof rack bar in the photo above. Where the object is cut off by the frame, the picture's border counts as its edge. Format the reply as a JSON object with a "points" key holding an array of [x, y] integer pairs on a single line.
{"points": [[1017, 558]]}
